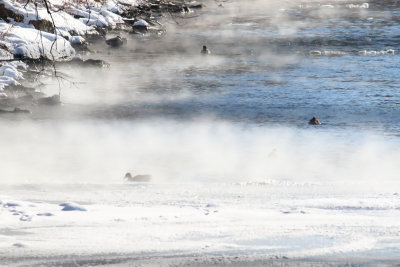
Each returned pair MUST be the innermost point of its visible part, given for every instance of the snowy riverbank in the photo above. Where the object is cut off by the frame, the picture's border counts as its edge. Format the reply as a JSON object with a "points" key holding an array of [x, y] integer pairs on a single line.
{"points": [[49, 32], [222, 224], [52, 29]]}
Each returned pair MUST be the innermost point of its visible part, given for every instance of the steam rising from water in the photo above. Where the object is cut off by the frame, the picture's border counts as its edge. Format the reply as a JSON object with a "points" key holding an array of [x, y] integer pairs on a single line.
{"points": [[96, 148], [97, 152]]}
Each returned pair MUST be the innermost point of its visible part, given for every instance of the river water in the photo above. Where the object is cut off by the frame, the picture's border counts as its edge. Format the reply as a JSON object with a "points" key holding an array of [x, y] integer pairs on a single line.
{"points": [[239, 113], [238, 173], [261, 71]]}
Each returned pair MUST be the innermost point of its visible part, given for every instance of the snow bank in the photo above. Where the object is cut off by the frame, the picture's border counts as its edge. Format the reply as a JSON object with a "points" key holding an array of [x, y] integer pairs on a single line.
{"points": [[72, 20], [71, 207], [64, 22], [275, 219], [74, 17], [363, 5], [30, 43], [96, 17], [9, 74], [21, 38]]}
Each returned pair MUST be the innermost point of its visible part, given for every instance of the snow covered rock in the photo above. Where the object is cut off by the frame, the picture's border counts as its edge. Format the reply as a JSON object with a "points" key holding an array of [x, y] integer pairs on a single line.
{"points": [[31, 43], [116, 41], [9, 74], [140, 25]]}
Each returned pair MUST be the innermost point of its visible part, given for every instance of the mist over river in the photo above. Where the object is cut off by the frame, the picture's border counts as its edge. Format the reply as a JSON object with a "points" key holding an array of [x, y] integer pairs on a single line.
{"points": [[239, 177], [239, 113]]}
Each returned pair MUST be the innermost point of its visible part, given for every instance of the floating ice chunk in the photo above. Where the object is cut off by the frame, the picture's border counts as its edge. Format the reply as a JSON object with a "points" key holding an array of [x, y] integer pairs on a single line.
{"points": [[361, 6], [71, 207], [385, 52], [315, 53], [373, 52], [334, 53]]}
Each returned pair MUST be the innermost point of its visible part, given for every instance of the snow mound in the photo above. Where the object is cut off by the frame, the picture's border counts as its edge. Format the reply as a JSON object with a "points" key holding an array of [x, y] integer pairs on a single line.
{"points": [[141, 22], [31, 43], [66, 23], [9, 74], [11, 204], [72, 207], [96, 17], [47, 214], [77, 40]]}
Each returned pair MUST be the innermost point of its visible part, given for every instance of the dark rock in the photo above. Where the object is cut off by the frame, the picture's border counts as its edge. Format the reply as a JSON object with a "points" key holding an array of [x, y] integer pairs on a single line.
{"points": [[96, 63], [314, 121], [4, 47], [80, 46], [49, 101], [174, 8], [116, 41], [7, 13], [155, 7], [95, 38], [15, 111], [101, 31], [195, 5], [78, 17], [89, 62], [17, 101], [20, 110], [140, 26], [43, 25], [76, 60], [129, 21]]}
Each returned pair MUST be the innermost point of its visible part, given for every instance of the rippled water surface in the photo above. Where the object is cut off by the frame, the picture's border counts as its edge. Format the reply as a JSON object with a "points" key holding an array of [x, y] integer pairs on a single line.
{"points": [[164, 108], [261, 70]]}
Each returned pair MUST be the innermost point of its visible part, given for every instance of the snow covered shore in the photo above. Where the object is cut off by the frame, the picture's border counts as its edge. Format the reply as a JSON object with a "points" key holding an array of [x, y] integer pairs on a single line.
{"points": [[222, 224], [49, 32]]}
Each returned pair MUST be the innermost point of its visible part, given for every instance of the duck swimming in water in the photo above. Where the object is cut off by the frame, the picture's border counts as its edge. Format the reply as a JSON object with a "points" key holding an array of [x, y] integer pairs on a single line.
{"points": [[314, 121], [137, 178], [205, 50]]}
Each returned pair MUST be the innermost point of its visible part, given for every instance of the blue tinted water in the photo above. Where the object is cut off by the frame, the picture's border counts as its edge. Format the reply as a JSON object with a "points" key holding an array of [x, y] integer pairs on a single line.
{"points": [[261, 71]]}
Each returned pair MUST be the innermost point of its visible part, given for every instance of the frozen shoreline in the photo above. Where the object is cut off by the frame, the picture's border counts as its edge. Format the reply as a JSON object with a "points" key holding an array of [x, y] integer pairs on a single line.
{"points": [[58, 30], [198, 224], [193, 260]]}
